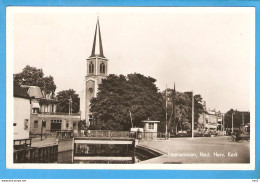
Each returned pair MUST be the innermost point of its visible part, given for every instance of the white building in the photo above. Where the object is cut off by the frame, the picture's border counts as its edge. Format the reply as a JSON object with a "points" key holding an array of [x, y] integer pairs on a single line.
{"points": [[22, 105], [43, 115]]}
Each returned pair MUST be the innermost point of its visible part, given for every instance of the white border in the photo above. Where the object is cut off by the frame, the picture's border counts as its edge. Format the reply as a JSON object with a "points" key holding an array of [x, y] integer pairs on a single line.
{"points": [[9, 86]]}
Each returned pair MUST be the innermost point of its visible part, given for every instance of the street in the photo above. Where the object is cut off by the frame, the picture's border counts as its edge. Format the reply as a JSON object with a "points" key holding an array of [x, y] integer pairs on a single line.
{"points": [[199, 150]]}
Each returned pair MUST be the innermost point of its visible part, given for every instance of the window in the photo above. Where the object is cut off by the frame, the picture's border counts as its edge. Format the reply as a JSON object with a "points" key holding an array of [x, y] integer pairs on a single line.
{"points": [[52, 108], [56, 121], [150, 125], [35, 107], [43, 123], [67, 124], [35, 123], [26, 124], [35, 110], [102, 68], [47, 108], [91, 67]]}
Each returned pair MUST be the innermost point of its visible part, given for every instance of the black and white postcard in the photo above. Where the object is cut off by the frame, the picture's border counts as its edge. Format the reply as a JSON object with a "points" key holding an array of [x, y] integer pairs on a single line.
{"points": [[131, 88]]}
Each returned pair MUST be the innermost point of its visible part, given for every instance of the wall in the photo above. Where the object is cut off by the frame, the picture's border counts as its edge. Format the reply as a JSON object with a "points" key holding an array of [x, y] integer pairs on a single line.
{"points": [[21, 113]]}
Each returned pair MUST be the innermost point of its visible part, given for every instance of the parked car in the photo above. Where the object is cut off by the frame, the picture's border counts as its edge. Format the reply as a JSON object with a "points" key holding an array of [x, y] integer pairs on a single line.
{"points": [[183, 133]]}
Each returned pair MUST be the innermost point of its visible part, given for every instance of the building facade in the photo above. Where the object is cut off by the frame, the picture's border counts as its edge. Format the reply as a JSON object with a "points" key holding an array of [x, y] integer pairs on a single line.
{"points": [[96, 70], [21, 120], [210, 120], [43, 115]]}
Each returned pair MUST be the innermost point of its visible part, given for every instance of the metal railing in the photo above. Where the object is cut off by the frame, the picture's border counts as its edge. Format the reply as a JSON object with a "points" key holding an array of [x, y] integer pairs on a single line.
{"points": [[66, 134], [59, 113], [105, 134], [22, 143], [58, 133]]}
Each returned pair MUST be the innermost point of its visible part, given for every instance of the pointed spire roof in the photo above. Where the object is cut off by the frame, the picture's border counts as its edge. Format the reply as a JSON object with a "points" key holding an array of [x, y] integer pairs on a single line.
{"points": [[97, 49]]}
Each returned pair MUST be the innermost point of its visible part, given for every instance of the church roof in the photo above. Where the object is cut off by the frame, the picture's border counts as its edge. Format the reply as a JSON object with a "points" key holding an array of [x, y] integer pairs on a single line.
{"points": [[97, 49]]}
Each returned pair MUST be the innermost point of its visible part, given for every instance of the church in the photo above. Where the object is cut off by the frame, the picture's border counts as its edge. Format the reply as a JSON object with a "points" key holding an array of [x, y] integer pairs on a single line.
{"points": [[96, 70]]}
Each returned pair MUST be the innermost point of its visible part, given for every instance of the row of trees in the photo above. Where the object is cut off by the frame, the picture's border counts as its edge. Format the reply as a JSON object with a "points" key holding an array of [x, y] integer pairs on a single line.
{"points": [[136, 96], [118, 98], [124, 101], [238, 118]]}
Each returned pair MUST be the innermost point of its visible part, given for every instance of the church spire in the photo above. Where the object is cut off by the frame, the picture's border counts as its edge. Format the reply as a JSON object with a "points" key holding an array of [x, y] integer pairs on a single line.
{"points": [[97, 49]]}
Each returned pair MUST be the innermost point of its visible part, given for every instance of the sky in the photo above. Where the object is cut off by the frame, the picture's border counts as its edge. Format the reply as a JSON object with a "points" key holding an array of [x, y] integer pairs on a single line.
{"points": [[205, 50]]}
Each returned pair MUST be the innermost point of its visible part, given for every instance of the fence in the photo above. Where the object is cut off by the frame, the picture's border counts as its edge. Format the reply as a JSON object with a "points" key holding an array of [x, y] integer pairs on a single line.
{"points": [[47, 154], [57, 133], [106, 134], [64, 134], [67, 134], [22, 143], [152, 135]]}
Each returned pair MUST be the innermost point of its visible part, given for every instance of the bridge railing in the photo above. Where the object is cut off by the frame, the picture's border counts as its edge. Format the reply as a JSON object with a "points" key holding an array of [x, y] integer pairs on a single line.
{"points": [[106, 134]]}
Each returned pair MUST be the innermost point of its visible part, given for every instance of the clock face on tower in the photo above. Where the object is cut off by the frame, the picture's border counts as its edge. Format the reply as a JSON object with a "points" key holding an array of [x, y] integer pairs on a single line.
{"points": [[90, 90]]}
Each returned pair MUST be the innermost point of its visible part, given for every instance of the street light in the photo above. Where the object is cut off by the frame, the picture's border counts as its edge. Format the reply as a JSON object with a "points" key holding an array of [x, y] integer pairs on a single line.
{"points": [[166, 129], [232, 122], [223, 128], [70, 108], [192, 121]]}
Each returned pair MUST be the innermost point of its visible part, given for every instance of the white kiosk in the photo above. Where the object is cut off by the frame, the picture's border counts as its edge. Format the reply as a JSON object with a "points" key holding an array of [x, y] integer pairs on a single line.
{"points": [[150, 129]]}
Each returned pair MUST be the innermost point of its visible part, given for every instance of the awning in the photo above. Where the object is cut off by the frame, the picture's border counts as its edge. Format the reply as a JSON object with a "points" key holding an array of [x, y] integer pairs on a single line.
{"points": [[35, 105]]}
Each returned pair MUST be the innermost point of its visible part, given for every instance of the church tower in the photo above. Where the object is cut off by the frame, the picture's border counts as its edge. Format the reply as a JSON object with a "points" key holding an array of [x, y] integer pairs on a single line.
{"points": [[96, 71]]}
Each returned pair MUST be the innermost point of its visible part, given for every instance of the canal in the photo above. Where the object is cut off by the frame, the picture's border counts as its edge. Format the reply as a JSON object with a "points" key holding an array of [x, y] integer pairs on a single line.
{"points": [[85, 153], [105, 154]]}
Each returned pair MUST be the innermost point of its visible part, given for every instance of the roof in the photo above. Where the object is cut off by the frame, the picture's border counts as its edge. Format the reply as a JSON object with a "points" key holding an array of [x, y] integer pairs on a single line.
{"points": [[19, 91], [97, 49], [34, 91]]}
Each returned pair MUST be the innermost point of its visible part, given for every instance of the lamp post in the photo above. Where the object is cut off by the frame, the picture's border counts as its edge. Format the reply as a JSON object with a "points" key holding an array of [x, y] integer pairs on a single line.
{"points": [[192, 116], [223, 123], [232, 122], [70, 107], [166, 114]]}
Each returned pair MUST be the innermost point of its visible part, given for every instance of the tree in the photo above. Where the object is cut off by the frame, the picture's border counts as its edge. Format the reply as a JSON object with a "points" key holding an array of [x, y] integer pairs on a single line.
{"points": [[183, 109], [64, 97], [82, 125], [35, 77], [237, 118], [120, 95]]}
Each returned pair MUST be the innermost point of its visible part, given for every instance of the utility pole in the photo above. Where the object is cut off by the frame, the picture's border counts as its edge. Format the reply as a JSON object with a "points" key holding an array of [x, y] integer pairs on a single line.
{"points": [[131, 119], [166, 114], [192, 120], [223, 123], [41, 130], [70, 107], [243, 118], [174, 110], [232, 122]]}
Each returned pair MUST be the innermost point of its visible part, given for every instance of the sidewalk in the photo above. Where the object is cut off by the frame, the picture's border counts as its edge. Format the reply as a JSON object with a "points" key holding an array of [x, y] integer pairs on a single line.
{"points": [[199, 150]]}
